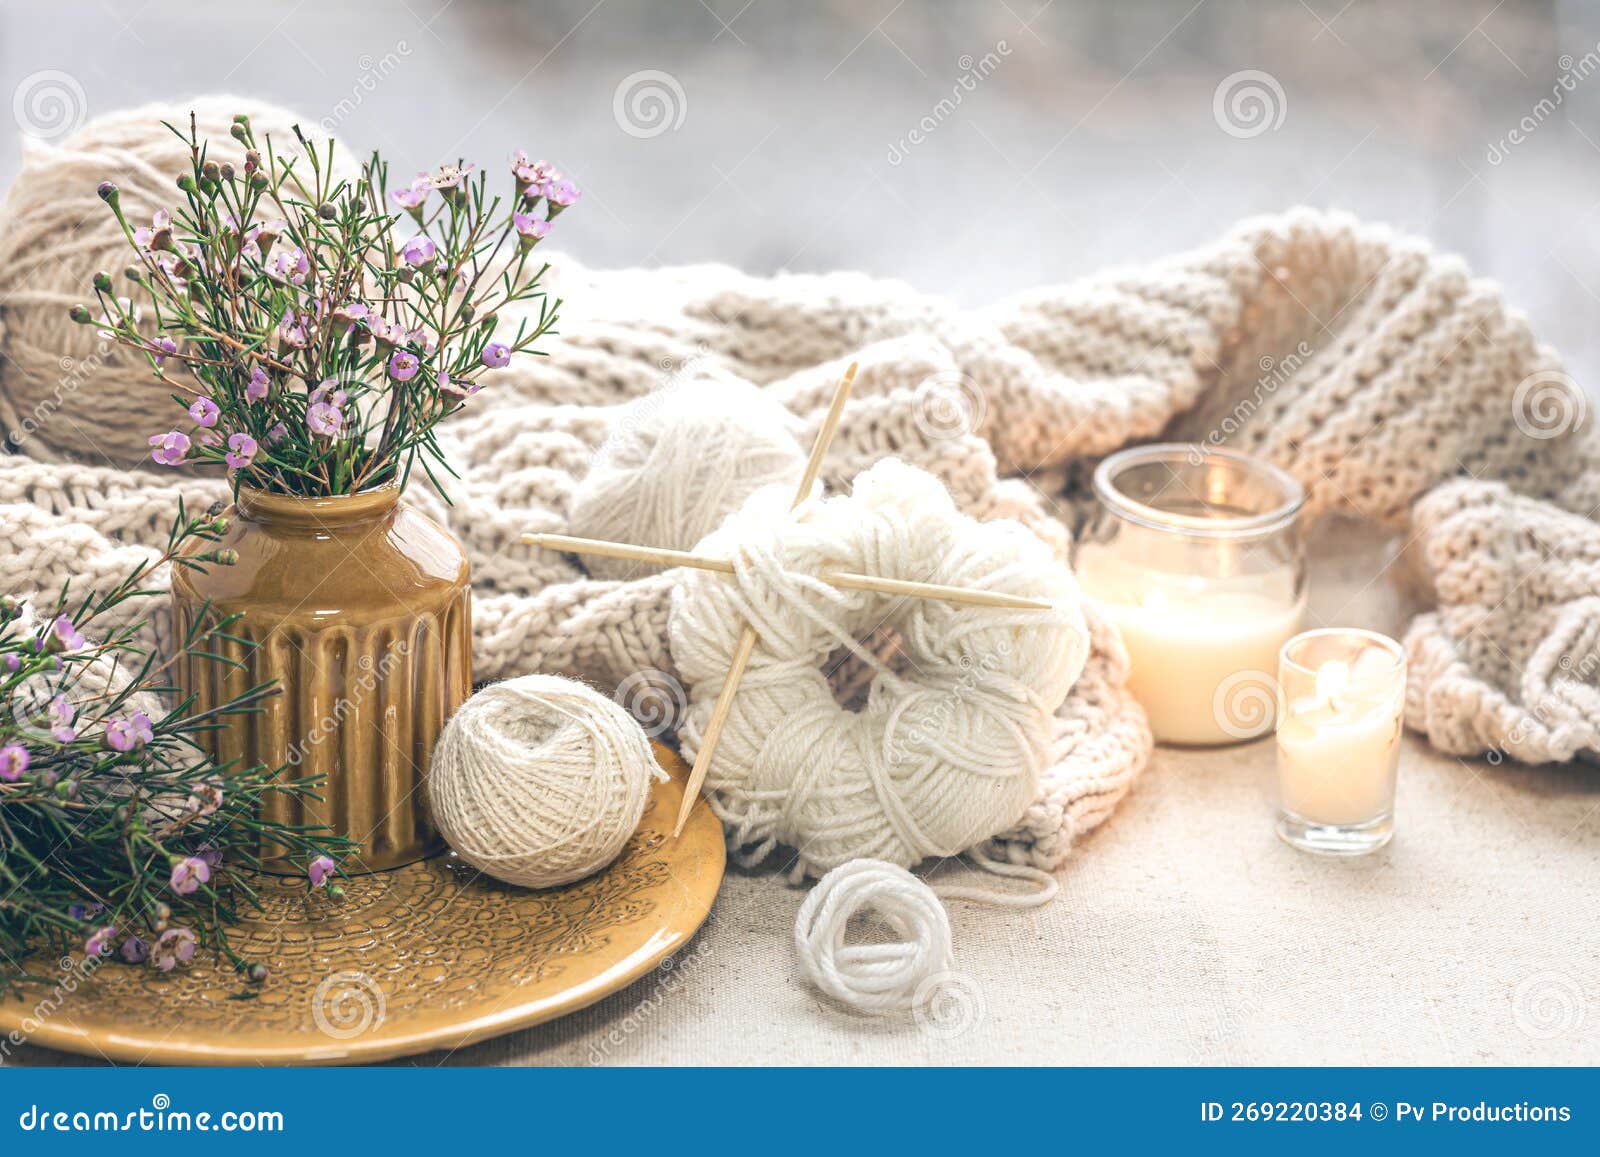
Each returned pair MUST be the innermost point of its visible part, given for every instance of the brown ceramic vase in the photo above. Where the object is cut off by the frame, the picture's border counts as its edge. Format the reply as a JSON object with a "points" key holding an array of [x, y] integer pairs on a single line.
{"points": [[359, 608]]}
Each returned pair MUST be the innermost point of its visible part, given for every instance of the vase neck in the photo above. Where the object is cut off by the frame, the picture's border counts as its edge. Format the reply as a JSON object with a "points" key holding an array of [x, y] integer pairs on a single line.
{"points": [[327, 513]]}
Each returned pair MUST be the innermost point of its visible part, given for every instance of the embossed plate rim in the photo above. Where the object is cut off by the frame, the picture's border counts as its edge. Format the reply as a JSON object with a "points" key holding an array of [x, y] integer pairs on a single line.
{"points": [[396, 1038]]}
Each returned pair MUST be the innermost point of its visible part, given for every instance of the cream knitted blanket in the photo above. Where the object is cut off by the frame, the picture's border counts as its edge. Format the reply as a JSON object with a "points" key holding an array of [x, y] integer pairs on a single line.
{"points": [[1371, 368]]}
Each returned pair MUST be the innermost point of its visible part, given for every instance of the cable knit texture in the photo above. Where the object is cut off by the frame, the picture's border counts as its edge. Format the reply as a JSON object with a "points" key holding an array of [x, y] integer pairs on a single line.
{"points": [[1366, 365]]}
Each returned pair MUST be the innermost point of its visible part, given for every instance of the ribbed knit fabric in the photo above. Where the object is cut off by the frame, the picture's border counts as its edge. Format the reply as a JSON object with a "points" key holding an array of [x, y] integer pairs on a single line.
{"points": [[1369, 367]]}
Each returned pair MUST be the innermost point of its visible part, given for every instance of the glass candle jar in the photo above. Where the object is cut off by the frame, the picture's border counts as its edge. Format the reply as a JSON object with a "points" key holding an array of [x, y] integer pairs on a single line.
{"points": [[1196, 555], [1343, 701]]}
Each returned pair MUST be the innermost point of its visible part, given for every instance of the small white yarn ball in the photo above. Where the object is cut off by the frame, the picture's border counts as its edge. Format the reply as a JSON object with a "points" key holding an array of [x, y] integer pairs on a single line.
{"points": [[66, 393], [679, 461], [540, 781], [874, 978]]}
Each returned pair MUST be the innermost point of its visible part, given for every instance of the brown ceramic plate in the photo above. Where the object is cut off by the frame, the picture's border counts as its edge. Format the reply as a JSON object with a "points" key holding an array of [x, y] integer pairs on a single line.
{"points": [[428, 956]]}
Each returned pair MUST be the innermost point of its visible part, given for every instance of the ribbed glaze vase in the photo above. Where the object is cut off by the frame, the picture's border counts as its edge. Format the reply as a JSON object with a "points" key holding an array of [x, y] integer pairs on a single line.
{"points": [[359, 607]]}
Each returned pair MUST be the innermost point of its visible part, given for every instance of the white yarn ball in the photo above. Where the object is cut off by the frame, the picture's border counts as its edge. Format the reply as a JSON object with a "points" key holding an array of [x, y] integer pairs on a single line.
{"points": [[66, 392], [957, 724], [875, 978], [677, 463], [540, 781]]}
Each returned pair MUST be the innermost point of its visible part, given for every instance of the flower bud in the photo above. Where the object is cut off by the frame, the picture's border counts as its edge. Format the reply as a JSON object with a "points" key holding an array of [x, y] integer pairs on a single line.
{"points": [[258, 180], [210, 170], [186, 183], [10, 608], [227, 171], [102, 281], [108, 192], [218, 526], [326, 211], [237, 133], [80, 314], [468, 313], [258, 973]]}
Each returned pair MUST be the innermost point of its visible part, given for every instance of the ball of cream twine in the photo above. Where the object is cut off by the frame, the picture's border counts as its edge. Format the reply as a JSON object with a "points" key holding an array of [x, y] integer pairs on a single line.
{"points": [[540, 780], [873, 978], [66, 393], [679, 461]]}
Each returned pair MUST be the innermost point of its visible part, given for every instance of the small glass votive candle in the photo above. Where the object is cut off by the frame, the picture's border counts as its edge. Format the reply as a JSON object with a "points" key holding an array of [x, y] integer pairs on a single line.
{"points": [[1196, 555], [1342, 704]]}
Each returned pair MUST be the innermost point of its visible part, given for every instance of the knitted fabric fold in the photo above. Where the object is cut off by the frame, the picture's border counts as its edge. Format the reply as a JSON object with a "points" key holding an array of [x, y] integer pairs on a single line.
{"points": [[1360, 361]]}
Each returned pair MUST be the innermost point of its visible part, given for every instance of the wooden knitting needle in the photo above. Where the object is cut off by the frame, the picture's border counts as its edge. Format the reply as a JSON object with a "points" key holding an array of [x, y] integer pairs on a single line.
{"points": [[848, 580], [747, 638]]}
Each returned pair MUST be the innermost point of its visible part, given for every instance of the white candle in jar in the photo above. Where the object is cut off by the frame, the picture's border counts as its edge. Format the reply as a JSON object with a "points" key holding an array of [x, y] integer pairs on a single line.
{"points": [[1339, 747], [1203, 652]]}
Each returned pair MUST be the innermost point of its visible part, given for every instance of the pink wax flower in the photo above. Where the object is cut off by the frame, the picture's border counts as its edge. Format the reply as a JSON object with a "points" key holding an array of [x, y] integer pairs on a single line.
{"points": [[162, 349], [277, 432], [496, 354], [403, 366], [204, 412], [413, 196], [13, 762], [188, 874], [60, 714], [241, 451], [293, 330], [63, 635], [320, 870], [450, 176], [324, 418], [449, 385], [530, 229], [560, 194], [419, 252], [205, 798], [257, 387], [288, 266], [135, 950], [159, 233], [129, 734], [99, 941], [351, 312], [174, 947], [328, 390], [169, 449]]}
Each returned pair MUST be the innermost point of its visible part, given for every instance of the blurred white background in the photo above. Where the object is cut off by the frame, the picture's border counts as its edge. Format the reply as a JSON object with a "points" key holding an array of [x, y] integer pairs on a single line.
{"points": [[776, 135]]}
